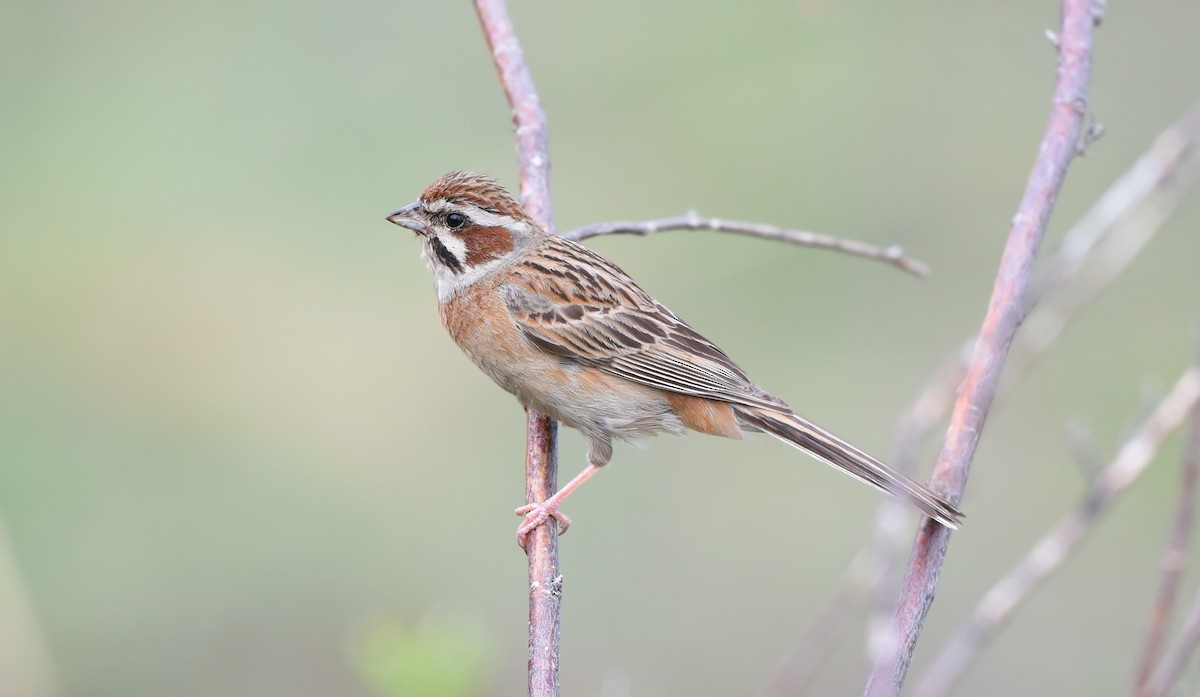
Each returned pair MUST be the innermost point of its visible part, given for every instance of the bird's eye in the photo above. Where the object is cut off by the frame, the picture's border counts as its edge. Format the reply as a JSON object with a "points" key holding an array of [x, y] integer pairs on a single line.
{"points": [[456, 221]]}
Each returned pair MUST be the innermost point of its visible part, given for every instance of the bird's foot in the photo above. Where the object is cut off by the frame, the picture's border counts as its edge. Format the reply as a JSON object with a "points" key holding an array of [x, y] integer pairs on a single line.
{"points": [[538, 513]]}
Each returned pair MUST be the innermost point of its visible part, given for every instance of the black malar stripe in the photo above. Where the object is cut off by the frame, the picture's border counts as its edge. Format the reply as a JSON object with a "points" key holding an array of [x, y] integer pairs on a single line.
{"points": [[448, 260]]}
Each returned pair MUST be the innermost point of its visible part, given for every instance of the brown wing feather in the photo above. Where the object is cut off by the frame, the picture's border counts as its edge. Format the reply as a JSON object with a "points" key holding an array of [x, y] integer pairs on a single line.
{"points": [[809, 437], [580, 306]]}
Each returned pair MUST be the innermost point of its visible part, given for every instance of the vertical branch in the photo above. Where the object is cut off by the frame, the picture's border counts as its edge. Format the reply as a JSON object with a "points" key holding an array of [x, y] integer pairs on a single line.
{"points": [[1059, 145], [541, 458], [1172, 566], [1177, 662], [1173, 560], [529, 123]]}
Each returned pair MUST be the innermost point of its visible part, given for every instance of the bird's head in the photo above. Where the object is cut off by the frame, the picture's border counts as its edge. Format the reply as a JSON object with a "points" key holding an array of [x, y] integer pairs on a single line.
{"points": [[469, 227]]}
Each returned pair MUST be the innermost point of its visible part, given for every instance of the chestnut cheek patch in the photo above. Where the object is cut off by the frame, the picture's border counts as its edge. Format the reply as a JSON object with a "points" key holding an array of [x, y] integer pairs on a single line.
{"points": [[486, 243]]}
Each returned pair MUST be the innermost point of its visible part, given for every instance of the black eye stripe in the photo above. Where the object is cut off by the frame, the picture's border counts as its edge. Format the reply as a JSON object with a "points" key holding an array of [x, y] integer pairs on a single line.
{"points": [[448, 260]]}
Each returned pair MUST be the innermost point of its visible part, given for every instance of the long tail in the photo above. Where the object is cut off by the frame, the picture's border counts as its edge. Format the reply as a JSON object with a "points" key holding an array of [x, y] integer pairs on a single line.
{"points": [[807, 436]]}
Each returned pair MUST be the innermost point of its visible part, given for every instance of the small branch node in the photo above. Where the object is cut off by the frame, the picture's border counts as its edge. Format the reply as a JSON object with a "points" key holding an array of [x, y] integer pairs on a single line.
{"points": [[1093, 132], [1081, 444]]}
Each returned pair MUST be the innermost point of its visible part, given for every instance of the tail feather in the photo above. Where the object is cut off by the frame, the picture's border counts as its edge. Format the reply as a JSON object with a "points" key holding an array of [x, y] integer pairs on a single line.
{"points": [[807, 436]]}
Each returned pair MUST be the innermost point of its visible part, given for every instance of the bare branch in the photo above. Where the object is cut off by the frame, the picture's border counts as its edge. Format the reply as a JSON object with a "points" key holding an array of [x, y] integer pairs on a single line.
{"points": [[1173, 560], [541, 453], [529, 123], [1093, 253], [890, 531], [1179, 659], [1102, 244], [1005, 311], [1056, 546], [692, 220], [1172, 568]]}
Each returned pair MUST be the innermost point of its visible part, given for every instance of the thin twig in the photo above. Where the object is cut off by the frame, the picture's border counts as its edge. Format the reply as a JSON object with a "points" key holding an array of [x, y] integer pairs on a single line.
{"points": [[1004, 314], [541, 453], [1178, 661], [1172, 569], [1137, 204], [692, 220], [1173, 560], [1053, 549]]}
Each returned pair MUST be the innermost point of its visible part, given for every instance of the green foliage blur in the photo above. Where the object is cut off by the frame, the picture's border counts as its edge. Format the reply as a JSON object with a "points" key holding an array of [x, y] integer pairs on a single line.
{"points": [[233, 433], [437, 658]]}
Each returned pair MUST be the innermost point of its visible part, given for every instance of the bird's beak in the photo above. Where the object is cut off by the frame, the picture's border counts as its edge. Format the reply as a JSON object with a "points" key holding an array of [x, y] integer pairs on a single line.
{"points": [[409, 217]]}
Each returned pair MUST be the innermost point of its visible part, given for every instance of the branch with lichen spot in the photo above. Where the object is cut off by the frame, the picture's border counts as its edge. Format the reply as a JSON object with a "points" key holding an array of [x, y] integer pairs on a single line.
{"points": [[1060, 144], [893, 255], [1056, 546], [541, 456]]}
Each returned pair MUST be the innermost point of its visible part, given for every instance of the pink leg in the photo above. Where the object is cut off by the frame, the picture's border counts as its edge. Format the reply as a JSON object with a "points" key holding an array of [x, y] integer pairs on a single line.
{"points": [[537, 513]]}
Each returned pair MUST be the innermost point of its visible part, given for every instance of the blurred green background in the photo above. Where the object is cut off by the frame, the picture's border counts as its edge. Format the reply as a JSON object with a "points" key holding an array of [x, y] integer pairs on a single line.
{"points": [[239, 455]]}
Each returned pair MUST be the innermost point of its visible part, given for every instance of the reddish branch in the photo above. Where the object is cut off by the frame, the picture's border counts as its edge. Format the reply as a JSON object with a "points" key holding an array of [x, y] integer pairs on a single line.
{"points": [[1173, 563], [1091, 255], [692, 220], [1183, 653], [1100, 246], [1060, 144], [541, 457], [1056, 546]]}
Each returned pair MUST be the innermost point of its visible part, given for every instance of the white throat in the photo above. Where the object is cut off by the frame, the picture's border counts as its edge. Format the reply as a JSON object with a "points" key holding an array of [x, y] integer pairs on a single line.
{"points": [[448, 283]]}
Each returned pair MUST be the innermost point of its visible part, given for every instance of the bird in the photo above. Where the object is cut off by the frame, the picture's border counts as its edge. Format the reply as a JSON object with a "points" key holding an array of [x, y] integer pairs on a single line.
{"points": [[572, 336]]}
